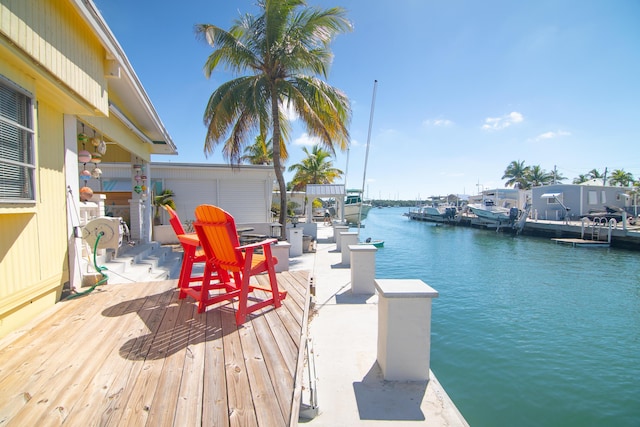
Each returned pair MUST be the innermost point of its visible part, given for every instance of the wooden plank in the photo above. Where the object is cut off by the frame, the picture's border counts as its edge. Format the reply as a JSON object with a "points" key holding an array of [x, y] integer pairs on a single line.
{"points": [[56, 393], [101, 401], [38, 368], [276, 363], [298, 378], [240, 405], [165, 399], [189, 406], [215, 410], [57, 328], [140, 401], [265, 400]]}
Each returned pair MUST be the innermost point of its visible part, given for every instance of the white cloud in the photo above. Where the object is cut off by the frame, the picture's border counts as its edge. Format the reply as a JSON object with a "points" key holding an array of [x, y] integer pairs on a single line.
{"points": [[498, 123], [551, 135], [438, 122], [306, 140]]}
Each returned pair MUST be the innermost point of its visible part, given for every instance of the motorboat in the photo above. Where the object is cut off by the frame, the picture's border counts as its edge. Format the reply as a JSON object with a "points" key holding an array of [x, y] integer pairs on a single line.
{"points": [[488, 210], [355, 210], [435, 212], [375, 242]]}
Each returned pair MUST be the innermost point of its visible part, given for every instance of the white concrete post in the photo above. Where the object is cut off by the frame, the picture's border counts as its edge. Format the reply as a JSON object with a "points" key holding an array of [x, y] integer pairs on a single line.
{"points": [[363, 269], [347, 238], [135, 228], [294, 236], [281, 252], [404, 328], [337, 229]]}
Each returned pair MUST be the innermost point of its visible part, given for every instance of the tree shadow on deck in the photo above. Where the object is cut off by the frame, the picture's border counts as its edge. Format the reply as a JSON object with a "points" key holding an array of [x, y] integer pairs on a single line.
{"points": [[174, 324]]}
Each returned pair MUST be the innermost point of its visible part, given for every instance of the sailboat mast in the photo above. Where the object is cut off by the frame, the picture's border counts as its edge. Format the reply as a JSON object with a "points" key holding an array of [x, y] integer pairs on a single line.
{"points": [[366, 157]]}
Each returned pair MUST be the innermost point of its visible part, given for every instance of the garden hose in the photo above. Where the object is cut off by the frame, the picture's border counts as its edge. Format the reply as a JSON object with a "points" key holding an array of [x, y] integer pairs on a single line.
{"points": [[100, 270]]}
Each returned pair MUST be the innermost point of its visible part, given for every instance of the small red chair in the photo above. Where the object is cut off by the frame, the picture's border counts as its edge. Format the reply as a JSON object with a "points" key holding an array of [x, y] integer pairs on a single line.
{"points": [[193, 252], [235, 263]]}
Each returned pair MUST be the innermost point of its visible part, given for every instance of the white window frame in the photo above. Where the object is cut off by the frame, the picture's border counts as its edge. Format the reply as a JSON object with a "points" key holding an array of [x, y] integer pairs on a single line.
{"points": [[12, 150]]}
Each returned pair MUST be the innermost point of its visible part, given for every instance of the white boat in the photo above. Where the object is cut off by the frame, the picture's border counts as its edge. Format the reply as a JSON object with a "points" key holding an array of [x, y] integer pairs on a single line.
{"points": [[439, 212], [487, 210], [355, 210], [436, 212]]}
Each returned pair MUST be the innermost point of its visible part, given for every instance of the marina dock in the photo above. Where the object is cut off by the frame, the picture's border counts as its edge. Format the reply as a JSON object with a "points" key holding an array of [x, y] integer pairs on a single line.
{"points": [[569, 232]]}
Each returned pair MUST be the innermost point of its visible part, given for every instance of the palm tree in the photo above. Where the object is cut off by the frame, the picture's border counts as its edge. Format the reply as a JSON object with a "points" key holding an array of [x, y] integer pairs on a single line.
{"points": [[316, 168], [260, 153], [162, 199], [594, 174], [283, 51], [620, 177], [536, 176], [516, 173], [556, 177], [580, 179]]}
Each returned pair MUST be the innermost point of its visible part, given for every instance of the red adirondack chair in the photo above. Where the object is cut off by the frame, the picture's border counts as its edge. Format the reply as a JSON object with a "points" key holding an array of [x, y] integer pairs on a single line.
{"points": [[218, 236]]}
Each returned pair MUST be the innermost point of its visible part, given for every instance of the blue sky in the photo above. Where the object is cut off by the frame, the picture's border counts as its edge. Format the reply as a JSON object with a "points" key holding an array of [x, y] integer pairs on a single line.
{"points": [[464, 86]]}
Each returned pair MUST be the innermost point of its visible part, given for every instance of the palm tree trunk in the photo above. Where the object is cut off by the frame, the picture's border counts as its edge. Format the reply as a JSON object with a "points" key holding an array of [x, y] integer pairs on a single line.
{"points": [[275, 115]]}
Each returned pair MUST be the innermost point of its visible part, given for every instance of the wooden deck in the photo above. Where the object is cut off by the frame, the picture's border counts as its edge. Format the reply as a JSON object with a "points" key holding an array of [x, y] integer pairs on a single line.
{"points": [[135, 355], [582, 242]]}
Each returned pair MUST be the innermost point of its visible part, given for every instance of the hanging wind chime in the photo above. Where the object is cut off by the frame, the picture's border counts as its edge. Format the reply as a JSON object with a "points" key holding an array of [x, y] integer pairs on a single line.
{"points": [[140, 178], [84, 157]]}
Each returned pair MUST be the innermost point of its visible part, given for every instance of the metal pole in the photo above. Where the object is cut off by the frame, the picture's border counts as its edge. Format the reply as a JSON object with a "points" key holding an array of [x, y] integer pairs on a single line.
{"points": [[366, 157]]}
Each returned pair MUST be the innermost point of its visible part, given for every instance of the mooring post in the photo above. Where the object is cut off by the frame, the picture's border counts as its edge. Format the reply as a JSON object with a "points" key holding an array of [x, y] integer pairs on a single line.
{"points": [[404, 328], [363, 269]]}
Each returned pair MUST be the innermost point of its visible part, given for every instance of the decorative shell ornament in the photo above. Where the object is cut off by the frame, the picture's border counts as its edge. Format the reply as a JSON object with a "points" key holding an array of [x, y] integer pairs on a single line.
{"points": [[137, 189], [85, 174], [82, 137], [84, 156], [86, 193], [96, 158], [102, 147], [95, 141], [96, 173]]}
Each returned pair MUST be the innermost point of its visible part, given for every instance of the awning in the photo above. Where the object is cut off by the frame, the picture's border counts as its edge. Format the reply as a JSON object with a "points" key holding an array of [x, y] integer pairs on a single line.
{"points": [[325, 190], [550, 195]]}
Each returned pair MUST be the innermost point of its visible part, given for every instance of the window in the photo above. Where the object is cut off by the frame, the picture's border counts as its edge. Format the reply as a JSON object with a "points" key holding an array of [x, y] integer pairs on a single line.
{"points": [[592, 197], [17, 164]]}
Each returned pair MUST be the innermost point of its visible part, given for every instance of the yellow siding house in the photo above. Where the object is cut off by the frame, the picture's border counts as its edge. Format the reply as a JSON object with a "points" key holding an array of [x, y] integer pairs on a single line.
{"points": [[65, 86]]}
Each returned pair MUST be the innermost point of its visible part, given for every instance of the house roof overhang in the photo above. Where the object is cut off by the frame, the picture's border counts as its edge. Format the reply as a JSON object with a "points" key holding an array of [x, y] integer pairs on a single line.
{"points": [[141, 116]]}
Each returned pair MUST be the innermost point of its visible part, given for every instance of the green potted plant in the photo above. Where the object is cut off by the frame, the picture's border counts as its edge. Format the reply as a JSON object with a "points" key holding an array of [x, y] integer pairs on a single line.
{"points": [[165, 198], [163, 234]]}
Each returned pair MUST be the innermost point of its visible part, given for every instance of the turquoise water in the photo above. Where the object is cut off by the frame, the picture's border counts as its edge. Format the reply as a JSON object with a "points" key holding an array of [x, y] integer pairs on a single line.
{"points": [[525, 332]]}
